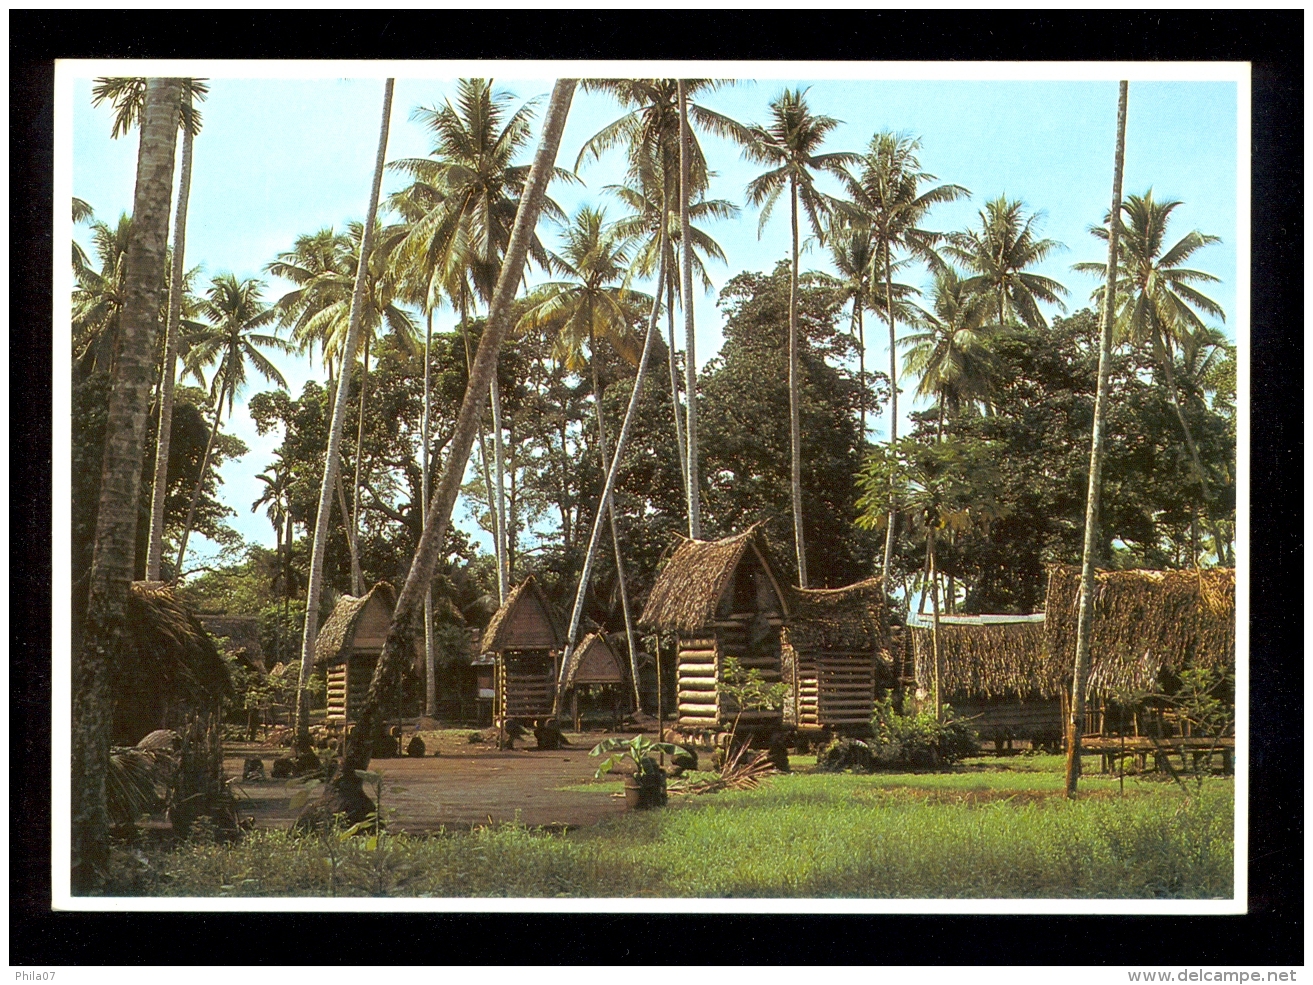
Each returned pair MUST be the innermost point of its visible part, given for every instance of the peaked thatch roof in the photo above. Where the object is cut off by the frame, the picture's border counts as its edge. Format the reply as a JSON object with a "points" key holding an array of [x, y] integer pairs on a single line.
{"points": [[339, 629], [498, 635], [593, 653], [243, 635], [689, 587], [1145, 622], [855, 617], [171, 646]]}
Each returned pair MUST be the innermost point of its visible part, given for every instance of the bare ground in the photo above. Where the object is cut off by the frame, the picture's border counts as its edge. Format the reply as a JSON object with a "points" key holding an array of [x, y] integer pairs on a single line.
{"points": [[465, 785]]}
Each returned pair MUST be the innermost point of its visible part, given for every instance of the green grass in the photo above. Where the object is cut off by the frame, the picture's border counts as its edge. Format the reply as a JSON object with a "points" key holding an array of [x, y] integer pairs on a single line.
{"points": [[988, 828]]}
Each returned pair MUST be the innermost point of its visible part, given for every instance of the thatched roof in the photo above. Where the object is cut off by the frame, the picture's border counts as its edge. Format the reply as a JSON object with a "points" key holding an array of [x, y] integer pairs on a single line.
{"points": [[594, 661], [172, 650], [339, 630], [243, 635], [1145, 622], [987, 660], [526, 608], [855, 617], [689, 588]]}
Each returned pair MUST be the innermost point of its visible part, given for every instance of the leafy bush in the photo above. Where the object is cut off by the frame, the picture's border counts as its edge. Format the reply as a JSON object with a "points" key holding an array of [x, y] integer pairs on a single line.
{"points": [[919, 739]]}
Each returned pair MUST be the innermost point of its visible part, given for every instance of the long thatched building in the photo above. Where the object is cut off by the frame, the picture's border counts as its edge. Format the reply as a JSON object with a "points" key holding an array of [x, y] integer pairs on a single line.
{"points": [[723, 599], [836, 656], [525, 639], [172, 671]]}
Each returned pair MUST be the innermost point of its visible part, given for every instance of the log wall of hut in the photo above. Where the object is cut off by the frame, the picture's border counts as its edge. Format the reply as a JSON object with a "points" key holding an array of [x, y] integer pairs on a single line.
{"points": [[525, 685]]}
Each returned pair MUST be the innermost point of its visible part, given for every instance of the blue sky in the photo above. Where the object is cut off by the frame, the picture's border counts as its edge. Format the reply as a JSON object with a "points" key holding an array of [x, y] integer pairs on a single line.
{"points": [[280, 157]]}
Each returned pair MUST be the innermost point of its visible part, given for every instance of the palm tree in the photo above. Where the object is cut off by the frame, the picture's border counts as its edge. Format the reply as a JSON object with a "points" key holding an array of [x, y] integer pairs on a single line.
{"points": [[97, 641], [591, 305], [951, 354], [98, 296], [334, 450], [999, 254], [235, 312], [657, 134], [275, 499], [472, 190], [1157, 302], [82, 212], [789, 144], [649, 219], [345, 792], [887, 195]]}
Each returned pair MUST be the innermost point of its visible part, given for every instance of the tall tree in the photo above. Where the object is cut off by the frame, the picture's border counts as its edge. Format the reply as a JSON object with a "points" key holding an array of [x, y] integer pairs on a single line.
{"points": [[1085, 611], [790, 145], [335, 431], [1158, 303], [591, 305], [473, 189], [999, 255], [191, 125], [98, 646], [235, 312], [346, 791], [887, 194]]}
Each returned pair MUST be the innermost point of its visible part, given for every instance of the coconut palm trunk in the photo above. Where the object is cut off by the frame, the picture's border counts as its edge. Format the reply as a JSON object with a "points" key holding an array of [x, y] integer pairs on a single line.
{"points": [[690, 343], [607, 506], [1085, 611], [113, 557], [572, 635], [430, 658], [164, 428], [345, 791], [934, 621], [891, 526], [357, 576], [499, 505], [200, 482], [674, 371], [331, 464], [795, 416]]}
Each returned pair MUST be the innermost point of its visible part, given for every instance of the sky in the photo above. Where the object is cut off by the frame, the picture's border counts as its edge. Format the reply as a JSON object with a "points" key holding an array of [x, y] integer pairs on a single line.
{"points": [[279, 157]]}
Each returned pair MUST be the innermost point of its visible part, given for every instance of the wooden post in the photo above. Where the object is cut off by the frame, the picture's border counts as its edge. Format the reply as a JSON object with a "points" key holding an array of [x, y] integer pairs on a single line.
{"points": [[661, 713]]}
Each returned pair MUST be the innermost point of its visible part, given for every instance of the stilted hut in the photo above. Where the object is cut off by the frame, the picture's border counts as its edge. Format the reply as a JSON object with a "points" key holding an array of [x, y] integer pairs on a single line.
{"points": [[525, 638], [172, 672], [596, 670], [995, 670], [1149, 627], [722, 599], [349, 645], [836, 655]]}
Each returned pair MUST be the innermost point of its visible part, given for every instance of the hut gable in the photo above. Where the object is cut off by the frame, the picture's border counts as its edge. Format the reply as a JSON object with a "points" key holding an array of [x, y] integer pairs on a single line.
{"points": [[526, 621], [1145, 623], [356, 622], [853, 619], [594, 662], [694, 586]]}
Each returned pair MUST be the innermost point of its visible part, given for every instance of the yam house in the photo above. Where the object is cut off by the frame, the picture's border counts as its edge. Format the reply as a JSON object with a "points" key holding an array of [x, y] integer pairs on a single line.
{"points": [[525, 639], [721, 599], [836, 657], [171, 673], [1150, 628], [596, 680], [996, 671], [349, 645]]}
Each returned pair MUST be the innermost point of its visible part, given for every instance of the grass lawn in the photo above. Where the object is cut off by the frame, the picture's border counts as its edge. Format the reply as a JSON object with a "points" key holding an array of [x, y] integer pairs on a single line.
{"points": [[988, 828]]}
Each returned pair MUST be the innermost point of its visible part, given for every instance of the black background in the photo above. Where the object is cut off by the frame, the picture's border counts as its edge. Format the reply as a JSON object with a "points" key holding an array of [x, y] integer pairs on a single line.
{"points": [[1272, 931]]}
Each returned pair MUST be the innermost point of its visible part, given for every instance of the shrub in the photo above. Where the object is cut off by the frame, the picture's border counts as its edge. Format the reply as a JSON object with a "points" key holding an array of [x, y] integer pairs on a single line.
{"points": [[919, 739]]}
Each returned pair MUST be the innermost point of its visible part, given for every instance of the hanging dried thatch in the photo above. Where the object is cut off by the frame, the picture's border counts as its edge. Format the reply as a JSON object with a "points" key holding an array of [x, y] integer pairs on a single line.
{"points": [[984, 661], [172, 667], [689, 588], [333, 644], [526, 620], [853, 618], [1145, 623]]}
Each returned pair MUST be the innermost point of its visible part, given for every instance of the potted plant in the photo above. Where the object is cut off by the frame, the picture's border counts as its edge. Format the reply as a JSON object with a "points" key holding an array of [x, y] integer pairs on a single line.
{"points": [[646, 786]]}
